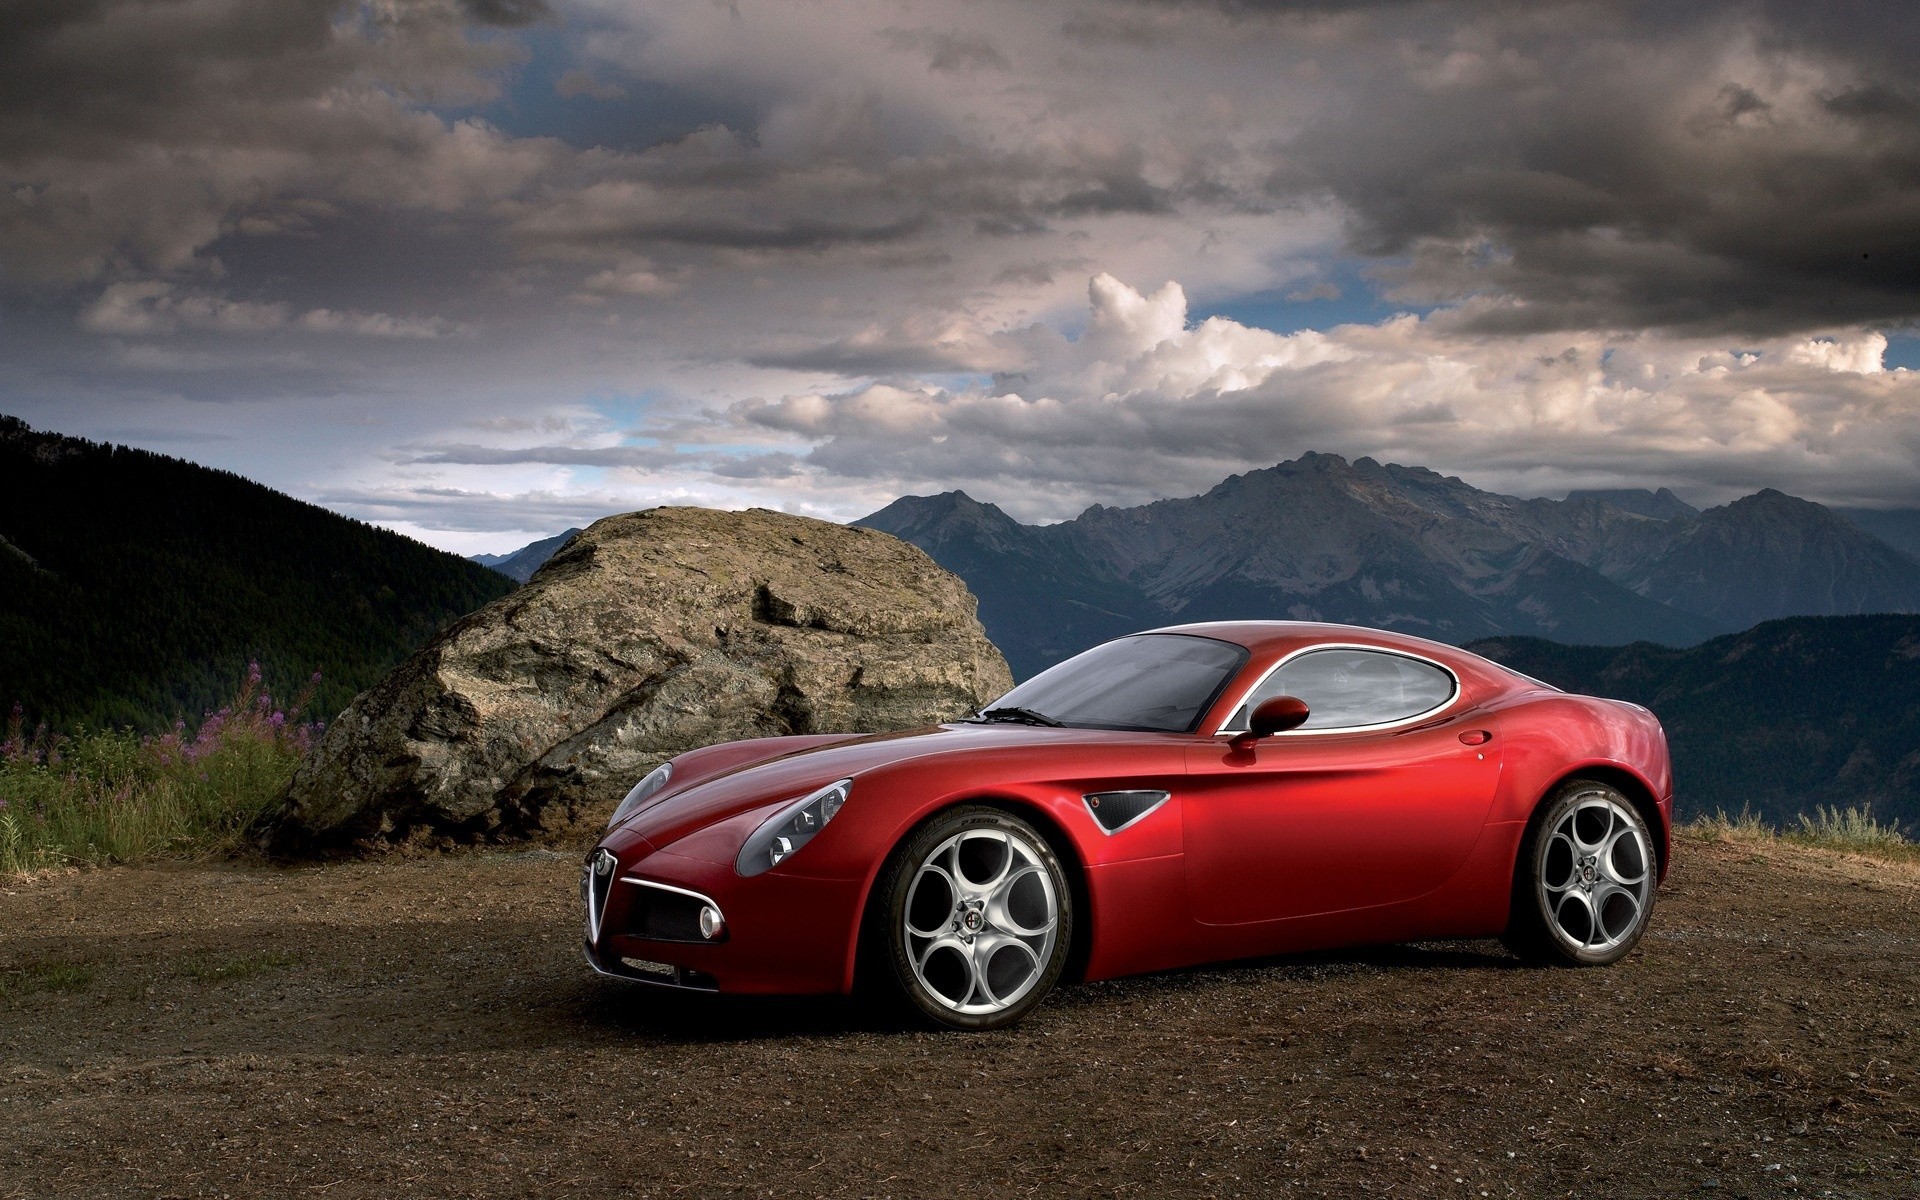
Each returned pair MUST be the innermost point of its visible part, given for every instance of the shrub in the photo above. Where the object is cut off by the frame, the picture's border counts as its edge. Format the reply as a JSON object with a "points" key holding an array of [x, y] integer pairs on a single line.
{"points": [[1846, 828], [1746, 823], [1853, 829], [101, 796]]}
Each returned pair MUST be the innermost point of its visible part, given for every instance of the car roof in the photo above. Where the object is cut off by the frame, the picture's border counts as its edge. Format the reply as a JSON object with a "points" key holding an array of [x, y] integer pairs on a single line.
{"points": [[1266, 638]]}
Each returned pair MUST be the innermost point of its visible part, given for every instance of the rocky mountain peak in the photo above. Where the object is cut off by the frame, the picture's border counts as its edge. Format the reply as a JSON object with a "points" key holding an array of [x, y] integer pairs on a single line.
{"points": [[1771, 555], [1405, 547], [1661, 505], [942, 519]]}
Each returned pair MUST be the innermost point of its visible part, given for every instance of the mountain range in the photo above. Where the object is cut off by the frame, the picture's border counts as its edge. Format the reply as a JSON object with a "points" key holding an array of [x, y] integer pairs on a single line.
{"points": [[520, 564], [1322, 538], [135, 587], [1897, 527]]}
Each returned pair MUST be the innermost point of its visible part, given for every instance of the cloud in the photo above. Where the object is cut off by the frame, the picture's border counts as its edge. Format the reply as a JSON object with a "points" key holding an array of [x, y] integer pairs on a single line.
{"points": [[509, 13], [150, 307], [464, 510], [948, 51], [374, 324], [154, 307], [552, 454], [1701, 168], [629, 281], [1718, 167], [139, 132], [1144, 405], [824, 252]]}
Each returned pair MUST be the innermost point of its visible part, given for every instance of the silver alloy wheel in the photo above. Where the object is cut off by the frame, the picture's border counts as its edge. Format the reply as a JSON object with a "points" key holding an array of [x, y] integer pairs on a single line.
{"points": [[981, 920], [1596, 875]]}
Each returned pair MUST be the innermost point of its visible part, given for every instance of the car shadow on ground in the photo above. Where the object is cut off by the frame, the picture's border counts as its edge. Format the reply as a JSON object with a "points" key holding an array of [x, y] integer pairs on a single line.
{"points": [[669, 1015]]}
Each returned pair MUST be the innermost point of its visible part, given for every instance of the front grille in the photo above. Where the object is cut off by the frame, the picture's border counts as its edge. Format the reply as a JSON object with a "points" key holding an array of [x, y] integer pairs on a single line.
{"points": [[596, 884]]}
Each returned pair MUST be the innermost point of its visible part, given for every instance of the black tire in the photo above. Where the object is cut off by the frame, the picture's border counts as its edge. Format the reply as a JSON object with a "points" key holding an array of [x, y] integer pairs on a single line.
{"points": [[1571, 903], [1031, 881]]}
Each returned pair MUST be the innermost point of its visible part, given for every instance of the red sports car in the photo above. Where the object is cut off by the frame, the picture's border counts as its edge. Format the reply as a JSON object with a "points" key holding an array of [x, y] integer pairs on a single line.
{"points": [[1181, 796]]}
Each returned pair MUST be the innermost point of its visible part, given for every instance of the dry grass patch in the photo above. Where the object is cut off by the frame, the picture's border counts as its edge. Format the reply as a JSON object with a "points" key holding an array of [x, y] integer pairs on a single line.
{"points": [[1852, 830]]}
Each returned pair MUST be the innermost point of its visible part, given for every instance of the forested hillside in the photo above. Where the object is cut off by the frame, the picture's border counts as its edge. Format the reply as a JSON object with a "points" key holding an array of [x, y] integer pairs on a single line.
{"points": [[135, 587], [1783, 717]]}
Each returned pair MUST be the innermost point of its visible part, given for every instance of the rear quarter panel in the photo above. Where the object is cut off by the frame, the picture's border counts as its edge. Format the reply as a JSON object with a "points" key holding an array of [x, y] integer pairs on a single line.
{"points": [[1553, 736]]}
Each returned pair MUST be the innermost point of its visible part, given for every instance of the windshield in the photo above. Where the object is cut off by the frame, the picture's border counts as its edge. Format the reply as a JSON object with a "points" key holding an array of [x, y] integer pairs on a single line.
{"points": [[1160, 682]]}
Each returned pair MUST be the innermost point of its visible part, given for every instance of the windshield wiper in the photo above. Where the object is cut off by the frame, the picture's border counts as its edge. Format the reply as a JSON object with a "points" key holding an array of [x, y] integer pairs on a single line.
{"points": [[1024, 716]]}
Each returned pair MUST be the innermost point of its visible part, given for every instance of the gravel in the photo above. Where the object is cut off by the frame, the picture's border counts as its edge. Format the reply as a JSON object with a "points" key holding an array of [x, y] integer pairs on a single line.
{"points": [[426, 1026]]}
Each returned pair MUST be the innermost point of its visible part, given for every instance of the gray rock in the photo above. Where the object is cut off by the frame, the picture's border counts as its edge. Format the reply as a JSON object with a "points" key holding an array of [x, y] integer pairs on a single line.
{"points": [[650, 634]]}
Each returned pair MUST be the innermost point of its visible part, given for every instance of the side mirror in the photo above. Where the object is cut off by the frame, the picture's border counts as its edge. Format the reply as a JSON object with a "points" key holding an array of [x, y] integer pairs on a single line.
{"points": [[1277, 714]]}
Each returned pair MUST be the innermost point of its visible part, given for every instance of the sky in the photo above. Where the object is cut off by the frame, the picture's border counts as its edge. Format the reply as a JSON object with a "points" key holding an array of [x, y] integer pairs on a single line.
{"points": [[480, 270]]}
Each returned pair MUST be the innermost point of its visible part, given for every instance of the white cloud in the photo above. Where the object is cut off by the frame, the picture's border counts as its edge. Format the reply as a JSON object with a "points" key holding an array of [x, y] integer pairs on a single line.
{"points": [[149, 307], [631, 279], [374, 324], [1143, 405]]}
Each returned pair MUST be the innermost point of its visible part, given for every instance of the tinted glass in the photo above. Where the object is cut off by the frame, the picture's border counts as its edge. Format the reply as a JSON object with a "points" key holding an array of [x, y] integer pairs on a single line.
{"points": [[1156, 681], [1345, 688]]}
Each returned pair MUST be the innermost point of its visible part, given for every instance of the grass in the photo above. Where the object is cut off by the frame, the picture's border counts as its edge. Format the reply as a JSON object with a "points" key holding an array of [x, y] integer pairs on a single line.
{"points": [[45, 977], [113, 796], [1852, 830], [238, 966]]}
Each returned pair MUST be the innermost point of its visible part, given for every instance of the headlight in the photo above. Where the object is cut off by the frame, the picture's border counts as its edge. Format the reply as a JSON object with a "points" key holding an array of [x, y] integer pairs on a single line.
{"points": [[638, 796], [791, 828]]}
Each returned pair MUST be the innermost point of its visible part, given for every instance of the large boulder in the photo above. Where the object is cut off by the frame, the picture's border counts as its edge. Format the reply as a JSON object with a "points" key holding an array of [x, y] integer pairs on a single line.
{"points": [[650, 634]]}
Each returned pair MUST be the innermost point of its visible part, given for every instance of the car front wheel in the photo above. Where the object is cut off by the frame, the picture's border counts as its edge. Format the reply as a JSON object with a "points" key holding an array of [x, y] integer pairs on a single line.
{"points": [[978, 919], [1584, 885]]}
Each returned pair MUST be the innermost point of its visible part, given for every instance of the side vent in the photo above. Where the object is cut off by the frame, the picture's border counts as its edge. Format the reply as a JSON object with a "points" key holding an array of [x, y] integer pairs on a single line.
{"points": [[1114, 811]]}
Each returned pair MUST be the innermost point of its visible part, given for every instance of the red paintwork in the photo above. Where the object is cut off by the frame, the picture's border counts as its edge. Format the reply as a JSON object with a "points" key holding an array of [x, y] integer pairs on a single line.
{"points": [[1298, 841]]}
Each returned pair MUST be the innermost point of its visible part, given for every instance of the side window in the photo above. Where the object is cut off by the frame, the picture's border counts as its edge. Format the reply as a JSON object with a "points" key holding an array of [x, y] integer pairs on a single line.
{"points": [[1348, 688]]}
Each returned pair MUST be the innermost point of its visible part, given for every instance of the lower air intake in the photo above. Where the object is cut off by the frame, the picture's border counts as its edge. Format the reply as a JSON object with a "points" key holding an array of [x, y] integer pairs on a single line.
{"points": [[664, 916]]}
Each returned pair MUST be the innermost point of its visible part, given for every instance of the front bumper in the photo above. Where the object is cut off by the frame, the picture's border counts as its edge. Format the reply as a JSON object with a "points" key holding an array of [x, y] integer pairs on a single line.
{"points": [[784, 934], [647, 971]]}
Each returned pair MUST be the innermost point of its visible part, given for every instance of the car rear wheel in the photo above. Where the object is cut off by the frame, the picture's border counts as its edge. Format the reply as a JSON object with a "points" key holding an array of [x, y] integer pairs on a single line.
{"points": [[1584, 885], [978, 919]]}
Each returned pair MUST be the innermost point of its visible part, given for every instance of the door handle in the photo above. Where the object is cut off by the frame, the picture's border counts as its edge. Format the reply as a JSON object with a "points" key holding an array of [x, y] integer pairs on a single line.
{"points": [[1476, 737]]}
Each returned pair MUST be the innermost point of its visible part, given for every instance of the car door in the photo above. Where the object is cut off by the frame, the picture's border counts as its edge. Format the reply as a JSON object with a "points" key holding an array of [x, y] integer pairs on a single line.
{"points": [[1378, 798]]}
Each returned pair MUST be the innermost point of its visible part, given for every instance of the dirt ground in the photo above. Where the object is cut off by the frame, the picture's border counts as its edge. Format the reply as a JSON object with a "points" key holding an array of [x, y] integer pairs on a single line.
{"points": [[427, 1028]]}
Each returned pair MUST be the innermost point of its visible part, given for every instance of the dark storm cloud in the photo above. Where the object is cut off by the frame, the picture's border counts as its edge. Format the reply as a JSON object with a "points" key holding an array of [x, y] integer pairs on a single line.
{"points": [[1704, 167], [419, 215], [135, 133], [507, 13], [853, 359], [946, 51], [799, 234]]}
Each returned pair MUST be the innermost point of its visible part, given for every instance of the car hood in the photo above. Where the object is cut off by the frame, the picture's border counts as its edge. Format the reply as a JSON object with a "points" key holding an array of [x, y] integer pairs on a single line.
{"points": [[704, 801]]}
